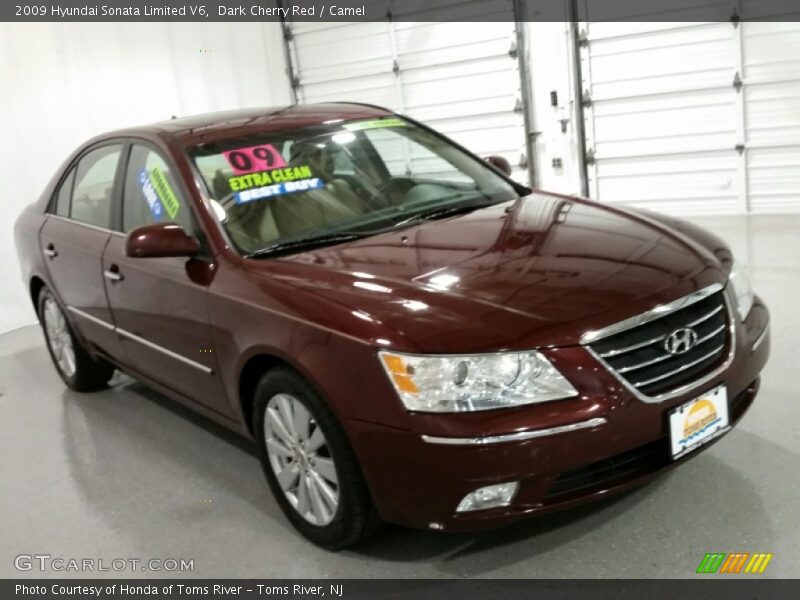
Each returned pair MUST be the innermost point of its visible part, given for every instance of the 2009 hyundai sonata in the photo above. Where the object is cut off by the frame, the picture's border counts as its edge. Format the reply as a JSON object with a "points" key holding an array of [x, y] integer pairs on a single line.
{"points": [[408, 334]]}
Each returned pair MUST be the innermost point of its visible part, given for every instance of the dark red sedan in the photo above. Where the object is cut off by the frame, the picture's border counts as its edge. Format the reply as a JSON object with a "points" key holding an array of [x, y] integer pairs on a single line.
{"points": [[408, 334]]}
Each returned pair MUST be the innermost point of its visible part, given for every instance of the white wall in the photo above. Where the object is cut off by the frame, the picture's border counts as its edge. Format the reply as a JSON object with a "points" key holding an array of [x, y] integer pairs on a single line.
{"points": [[64, 83]]}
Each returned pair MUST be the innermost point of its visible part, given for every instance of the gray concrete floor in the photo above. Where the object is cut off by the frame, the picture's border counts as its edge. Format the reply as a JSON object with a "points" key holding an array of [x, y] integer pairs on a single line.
{"points": [[125, 473]]}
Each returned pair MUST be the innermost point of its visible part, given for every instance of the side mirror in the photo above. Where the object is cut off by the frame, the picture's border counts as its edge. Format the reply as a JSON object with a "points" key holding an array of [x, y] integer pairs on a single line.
{"points": [[501, 164], [160, 240]]}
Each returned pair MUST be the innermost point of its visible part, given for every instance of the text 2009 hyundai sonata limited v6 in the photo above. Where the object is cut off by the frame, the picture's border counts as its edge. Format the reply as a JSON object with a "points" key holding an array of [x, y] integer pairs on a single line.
{"points": [[408, 334]]}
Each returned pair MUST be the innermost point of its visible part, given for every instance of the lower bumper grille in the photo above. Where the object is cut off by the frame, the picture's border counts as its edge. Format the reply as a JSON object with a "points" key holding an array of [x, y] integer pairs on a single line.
{"points": [[606, 473], [628, 465]]}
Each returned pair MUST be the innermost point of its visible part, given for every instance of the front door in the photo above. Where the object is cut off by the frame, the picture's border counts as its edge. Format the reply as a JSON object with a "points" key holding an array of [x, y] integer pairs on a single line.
{"points": [[160, 305]]}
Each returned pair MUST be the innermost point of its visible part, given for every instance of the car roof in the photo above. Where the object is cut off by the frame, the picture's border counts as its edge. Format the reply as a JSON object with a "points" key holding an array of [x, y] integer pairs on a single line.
{"points": [[193, 130]]}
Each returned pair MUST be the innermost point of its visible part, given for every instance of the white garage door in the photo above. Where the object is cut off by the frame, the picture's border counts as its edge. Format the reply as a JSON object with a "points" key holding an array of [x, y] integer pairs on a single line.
{"points": [[460, 78], [690, 118]]}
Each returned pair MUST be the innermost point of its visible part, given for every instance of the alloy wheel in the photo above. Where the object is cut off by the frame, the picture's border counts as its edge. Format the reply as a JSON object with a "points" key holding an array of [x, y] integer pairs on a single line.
{"points": [[59, 337], [301, 459]]}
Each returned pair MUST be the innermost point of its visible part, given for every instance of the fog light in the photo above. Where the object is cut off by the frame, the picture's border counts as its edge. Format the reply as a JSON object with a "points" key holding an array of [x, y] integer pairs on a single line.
{"points": [[490, 496]]}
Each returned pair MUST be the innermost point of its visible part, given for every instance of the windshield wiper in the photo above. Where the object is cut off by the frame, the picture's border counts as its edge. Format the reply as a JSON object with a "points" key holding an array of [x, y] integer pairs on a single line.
{"points": [[441, 213], [306, 243]]}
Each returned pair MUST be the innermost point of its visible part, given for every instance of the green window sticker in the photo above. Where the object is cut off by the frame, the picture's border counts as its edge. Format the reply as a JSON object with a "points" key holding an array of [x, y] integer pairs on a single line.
{"points": [[374, 124], [164, 192], [262, 178]]}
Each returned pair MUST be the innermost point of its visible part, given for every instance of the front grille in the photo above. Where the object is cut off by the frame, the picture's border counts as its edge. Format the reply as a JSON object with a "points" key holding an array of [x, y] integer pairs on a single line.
{"points": [[638, 355]]}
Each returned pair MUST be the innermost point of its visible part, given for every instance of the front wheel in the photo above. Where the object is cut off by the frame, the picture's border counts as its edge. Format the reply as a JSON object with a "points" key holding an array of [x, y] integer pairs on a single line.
{"points": [[309, 464], [73, 362]]}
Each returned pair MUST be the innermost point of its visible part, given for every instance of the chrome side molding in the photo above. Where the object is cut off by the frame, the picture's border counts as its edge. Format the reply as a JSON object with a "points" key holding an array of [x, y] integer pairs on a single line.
{"points": [[140, 340]]}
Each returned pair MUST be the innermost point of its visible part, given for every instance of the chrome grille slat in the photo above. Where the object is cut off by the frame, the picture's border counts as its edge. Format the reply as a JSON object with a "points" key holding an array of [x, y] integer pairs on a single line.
{"points": [[705, 318], [717, 350], [664, 357], [633, 349]]}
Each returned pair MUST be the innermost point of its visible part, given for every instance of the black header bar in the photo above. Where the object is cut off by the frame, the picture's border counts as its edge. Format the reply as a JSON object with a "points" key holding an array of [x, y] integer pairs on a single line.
{"points": [[322, 11]]}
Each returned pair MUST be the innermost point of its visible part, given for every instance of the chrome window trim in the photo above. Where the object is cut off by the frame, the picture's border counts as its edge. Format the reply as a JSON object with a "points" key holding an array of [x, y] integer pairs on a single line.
{"points": [[141, 340], [87, 225], [651, 315], [517, 436], [676, 305]]}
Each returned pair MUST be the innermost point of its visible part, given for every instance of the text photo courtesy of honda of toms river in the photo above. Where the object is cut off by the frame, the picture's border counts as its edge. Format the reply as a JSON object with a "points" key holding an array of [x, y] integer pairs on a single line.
{"points": [[409, 335]]}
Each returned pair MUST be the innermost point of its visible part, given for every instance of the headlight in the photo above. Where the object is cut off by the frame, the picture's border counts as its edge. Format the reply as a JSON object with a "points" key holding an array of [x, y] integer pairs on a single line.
{"points": [[471, 382], [741, 289]]}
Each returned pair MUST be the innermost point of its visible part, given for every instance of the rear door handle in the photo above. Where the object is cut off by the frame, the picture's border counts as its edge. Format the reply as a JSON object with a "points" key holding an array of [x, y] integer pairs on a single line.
{"points": [[50, 252], [113, 274]]}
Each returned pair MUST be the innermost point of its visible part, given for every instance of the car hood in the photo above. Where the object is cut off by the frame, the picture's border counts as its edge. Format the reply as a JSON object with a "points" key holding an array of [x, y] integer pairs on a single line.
{"points": [[538, 271]]}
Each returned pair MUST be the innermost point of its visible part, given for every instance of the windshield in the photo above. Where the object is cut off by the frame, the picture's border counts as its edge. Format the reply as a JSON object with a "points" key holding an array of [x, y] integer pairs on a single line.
{"points": [[278, 190]]}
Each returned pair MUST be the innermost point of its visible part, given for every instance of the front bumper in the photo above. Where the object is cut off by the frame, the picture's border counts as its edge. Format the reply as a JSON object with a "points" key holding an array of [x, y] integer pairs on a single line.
{"points": [[417, 479]]}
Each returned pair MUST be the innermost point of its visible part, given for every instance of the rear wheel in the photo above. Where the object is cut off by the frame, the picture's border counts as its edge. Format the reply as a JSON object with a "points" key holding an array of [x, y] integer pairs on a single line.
{"points": [[309, 464], [73, 362]]}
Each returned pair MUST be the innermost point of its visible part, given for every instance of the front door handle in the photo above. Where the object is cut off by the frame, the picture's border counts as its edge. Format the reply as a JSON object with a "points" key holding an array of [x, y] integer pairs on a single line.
{"points": [[50, 252], [113, 274]]}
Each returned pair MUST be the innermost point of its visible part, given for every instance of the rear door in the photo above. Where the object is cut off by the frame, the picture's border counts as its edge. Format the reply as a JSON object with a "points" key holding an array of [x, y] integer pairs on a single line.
{"points": [[160, 305], [74, 237]]}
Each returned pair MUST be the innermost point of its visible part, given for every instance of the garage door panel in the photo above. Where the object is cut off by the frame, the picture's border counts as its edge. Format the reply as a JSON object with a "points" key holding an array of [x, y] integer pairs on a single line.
{"points": [[486, 124], [680, 59], [377, 97], [662, 70], [714, 205], [474, 87], [691, 124], [774, 179], [670, 166], [477, 52], [425, 49], [771, 52], [350, 61], [665, 146], [484, 140], [464, 107], [609, 39], [648, 86], [442, 73], [720, 97], [345, 71], [685, 182], [773, 114]]}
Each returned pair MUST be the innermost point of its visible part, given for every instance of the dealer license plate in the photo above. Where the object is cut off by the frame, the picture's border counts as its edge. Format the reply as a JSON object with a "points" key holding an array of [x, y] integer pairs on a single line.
{"points": [[698, 422]]}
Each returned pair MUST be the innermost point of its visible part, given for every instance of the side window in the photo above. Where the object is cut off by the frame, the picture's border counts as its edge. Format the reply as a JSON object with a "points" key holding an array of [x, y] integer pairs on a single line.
{"points": [[94, 180], [64, 195], [151, 192]]}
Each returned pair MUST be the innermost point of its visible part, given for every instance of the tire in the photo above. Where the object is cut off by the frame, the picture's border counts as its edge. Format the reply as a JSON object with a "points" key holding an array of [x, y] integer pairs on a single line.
{"points": [[323, 454], [72, 361]]}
